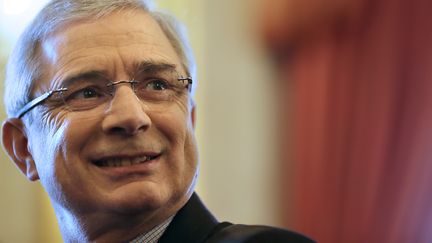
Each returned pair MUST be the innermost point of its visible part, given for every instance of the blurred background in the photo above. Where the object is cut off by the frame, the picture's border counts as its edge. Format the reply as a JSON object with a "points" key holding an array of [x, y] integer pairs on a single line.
{"points": [[235, 122], [312, 115]]}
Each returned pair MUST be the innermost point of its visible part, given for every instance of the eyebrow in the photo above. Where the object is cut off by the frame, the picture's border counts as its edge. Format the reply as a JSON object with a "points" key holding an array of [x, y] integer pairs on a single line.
{"points": [[82, 75], [152, 67], [138, 68]]}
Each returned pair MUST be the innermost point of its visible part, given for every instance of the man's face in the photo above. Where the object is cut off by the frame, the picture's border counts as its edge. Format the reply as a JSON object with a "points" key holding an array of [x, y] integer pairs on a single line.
{"points": [[83, 158]]}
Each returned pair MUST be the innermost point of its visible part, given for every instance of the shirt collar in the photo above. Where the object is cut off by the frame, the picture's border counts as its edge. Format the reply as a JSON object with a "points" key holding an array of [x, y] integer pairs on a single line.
{"points": [[154, 234]]}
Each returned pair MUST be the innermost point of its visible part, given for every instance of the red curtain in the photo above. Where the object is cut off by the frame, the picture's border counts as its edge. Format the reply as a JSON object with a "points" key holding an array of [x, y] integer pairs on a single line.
{"points": [[360, 75]]}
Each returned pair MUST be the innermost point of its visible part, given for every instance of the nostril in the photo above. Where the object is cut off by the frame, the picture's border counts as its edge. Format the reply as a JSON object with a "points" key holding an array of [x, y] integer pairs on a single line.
{"points": [[126, 122], [127, 130], [117, 130]]}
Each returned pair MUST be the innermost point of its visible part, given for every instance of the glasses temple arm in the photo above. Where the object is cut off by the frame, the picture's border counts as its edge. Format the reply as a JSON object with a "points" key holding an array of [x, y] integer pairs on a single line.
{"points": [[32, 104]]}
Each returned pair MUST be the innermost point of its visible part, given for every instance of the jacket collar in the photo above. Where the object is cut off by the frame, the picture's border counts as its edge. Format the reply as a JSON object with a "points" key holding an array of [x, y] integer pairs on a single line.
{"points": [[192, 224]]}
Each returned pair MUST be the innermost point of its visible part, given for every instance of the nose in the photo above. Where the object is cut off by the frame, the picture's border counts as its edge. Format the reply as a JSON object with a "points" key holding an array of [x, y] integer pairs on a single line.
{"points": [[126, 114]]}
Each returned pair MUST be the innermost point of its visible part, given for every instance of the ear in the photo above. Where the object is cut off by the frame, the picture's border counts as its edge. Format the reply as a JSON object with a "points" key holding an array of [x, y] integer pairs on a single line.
{"points": [[15, 143]]}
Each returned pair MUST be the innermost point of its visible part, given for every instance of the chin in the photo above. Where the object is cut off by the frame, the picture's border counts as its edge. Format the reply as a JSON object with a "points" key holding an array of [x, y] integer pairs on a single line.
{"points": [[144, 201]]}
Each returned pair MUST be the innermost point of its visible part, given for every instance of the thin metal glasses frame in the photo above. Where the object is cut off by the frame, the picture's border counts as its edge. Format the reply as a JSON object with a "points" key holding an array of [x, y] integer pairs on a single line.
{"points": [[39, 100]]}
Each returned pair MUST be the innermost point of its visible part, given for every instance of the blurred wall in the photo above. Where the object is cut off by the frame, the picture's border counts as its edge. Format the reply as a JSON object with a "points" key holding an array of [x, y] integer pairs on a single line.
{"points": [[361, 116], [237, 119], [235, 125]]}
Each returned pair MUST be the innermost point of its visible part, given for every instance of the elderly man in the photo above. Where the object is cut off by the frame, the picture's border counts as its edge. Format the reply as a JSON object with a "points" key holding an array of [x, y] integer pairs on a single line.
{"points": [[98, 95]]}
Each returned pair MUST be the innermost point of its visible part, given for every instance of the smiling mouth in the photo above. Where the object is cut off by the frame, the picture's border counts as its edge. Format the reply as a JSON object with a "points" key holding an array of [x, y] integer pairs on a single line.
{"points": [[120, 162]]}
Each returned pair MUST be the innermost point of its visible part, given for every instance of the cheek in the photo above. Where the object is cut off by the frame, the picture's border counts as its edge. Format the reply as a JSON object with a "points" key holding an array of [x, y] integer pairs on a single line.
{"points": [[78, 132], [176, 127], [46, 140], [174, 123], [183, 141], [56, 148], [47, 135], [57, 140], [191, 152], [190, 167]]}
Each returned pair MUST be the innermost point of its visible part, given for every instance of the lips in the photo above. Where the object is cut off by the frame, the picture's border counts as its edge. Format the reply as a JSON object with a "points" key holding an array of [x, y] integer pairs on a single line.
{"points": [[122, 161]]}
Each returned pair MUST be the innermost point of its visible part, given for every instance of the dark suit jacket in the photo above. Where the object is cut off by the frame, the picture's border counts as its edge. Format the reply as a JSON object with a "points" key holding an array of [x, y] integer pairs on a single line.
{"points": [[195, 224]]}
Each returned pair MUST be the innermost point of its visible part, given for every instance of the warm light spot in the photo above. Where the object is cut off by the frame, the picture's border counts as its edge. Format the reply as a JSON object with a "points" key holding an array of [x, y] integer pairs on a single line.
{"points": [[15, 7], [15, 15]]}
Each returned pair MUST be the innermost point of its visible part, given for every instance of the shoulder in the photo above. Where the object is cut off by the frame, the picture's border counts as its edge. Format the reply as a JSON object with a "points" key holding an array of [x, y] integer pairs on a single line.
{"points": [[238, 233]]}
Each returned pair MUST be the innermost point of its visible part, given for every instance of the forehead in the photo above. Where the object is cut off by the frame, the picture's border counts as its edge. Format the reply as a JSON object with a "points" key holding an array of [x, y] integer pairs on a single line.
{"points": [[113, 44]]}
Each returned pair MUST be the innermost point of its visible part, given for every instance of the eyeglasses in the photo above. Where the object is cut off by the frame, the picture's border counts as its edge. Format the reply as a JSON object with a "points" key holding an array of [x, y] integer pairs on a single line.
{"points": [[89, 90]]}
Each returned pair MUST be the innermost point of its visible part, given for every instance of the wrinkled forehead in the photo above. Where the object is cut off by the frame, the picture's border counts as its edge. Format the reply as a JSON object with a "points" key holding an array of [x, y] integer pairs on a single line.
{"points": [[114, 44]]}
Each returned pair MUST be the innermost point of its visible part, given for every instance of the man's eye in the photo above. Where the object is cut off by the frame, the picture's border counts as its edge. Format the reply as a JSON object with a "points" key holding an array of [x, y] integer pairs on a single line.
{"points": [[86, 93], [156, 84]]}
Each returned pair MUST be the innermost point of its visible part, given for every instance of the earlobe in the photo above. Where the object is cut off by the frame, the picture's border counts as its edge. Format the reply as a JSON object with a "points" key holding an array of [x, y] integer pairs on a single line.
{"points": [[15, 143], [31, 170]]}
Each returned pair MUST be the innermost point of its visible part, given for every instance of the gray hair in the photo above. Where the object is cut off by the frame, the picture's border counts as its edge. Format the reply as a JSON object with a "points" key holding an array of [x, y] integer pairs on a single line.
{"points": [[24, 66]]}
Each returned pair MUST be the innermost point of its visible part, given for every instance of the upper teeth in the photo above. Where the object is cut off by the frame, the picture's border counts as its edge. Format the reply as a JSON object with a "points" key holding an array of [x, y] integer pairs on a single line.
{"points": [[115, 162]]}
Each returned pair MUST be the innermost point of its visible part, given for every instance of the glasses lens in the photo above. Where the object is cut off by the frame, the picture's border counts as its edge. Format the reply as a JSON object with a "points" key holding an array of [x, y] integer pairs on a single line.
{"points": [[159, 86], [152, 87], [86, 92]]}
